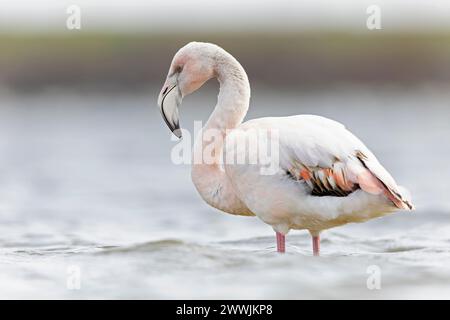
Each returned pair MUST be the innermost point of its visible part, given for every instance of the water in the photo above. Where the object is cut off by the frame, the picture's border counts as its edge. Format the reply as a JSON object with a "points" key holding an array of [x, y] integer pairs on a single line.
{"points": [[86, 184]]}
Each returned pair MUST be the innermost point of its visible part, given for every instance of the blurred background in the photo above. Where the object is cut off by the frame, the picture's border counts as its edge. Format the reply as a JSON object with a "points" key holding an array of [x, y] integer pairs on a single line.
{"points": [[128, 44], [85, 172]]}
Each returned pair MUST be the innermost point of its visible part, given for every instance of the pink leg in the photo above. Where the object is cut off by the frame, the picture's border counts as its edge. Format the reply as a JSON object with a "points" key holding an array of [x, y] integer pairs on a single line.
{"points": [[281, 246], [316, 245]]}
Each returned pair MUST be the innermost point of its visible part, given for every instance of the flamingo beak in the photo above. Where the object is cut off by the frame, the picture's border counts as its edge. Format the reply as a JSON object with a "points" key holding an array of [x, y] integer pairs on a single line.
{"points": [[169, 99]]}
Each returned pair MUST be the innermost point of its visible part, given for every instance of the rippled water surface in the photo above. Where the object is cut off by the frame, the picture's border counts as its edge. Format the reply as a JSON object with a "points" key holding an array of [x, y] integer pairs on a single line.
{"points": [[87, 184]]}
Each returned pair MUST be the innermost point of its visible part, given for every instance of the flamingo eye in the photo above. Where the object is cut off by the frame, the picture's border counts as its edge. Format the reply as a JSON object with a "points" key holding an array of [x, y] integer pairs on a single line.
{"points": [[178, 69]]}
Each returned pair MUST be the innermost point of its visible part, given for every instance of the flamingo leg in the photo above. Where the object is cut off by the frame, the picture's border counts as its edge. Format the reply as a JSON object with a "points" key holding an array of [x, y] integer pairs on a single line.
{"points": [[316, 245], [281, 242]]}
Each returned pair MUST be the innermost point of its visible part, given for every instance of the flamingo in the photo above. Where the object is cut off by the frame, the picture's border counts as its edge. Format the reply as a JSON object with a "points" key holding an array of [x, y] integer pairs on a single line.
{"points": [[326, 177]]}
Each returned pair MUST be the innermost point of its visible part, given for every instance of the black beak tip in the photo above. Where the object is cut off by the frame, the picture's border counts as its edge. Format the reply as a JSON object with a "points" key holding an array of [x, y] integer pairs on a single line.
{"points": [[177, 133]]}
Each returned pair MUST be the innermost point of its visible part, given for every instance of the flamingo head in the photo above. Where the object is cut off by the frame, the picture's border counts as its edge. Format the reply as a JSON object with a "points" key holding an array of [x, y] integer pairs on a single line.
{"points": [[191, 67]]}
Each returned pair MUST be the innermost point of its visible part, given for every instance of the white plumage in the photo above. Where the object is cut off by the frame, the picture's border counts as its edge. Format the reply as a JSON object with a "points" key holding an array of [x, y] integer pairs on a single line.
{"points": [[326, 176], [287, 203]]}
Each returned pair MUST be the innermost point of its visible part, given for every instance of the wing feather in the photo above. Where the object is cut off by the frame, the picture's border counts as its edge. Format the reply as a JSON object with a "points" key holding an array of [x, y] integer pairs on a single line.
{"points": [[332, 161]]}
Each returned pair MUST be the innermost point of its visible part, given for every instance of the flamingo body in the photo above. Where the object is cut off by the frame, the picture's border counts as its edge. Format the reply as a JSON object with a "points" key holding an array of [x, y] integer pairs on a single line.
{"points": [[308, 143]]}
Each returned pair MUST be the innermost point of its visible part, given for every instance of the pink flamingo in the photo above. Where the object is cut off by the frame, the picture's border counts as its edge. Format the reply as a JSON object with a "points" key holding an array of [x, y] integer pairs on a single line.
{"points": [[326, 176]]}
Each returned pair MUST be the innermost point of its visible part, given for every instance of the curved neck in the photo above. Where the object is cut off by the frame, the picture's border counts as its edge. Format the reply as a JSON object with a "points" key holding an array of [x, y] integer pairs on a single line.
{"points": [[234, 96], [232, 105]]}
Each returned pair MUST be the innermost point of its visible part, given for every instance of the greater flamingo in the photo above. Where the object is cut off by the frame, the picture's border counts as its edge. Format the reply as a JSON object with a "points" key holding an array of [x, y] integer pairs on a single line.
{"points": [[326, 176]]}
